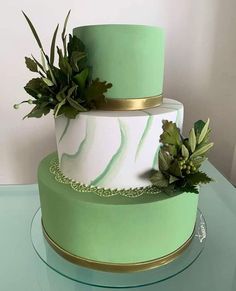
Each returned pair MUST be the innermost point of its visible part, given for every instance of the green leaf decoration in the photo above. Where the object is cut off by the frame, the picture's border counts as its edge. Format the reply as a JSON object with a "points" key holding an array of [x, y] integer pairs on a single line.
{"points": [[185, 152], [53, 44], [159, 180], [31, 65], [180, 159], [43, 61], [33, 31], [65, 88], [74, 44], [76, 105], [175, 169], [171, 134], [171, 149], [164, 160], [197, 161], [201, 151], [48, 82], [204, 132], [58, 107], [64, 64], [68, 111], [198, 126], [63, 36], [190, 189], [76, 57], [38, 112], [80, 79], [36, 87], [96, 91], [198, 178], [192, 140], [38, 63], [61, 94]]}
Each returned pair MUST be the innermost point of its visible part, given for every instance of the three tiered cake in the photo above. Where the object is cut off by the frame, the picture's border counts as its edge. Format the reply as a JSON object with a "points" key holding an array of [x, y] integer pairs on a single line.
{"points": [[108, 153], [120, 192]]}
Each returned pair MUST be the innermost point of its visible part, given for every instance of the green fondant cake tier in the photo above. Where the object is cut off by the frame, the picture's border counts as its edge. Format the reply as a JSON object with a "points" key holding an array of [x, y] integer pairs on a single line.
{"points": [[117, 229], [131, 57]]}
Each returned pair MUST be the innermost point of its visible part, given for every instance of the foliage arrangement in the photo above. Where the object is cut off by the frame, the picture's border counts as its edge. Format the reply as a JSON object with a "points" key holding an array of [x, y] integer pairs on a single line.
{"points": [[180, 158], [67, 89]]}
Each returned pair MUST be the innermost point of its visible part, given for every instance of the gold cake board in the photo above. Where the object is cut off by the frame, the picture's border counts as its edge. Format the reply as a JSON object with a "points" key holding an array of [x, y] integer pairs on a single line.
{"points": [[119, 268]]}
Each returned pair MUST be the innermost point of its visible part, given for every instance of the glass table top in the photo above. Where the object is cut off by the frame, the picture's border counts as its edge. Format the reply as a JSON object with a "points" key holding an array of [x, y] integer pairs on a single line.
{"points": [[215, 269]]}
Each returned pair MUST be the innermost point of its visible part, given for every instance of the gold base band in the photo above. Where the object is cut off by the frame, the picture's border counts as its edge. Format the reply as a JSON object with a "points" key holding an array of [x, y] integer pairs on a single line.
{"points": [[130, 104], [119, 268]]}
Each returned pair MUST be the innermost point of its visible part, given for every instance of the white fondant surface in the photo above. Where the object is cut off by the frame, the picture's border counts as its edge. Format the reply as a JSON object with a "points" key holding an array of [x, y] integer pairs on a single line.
{"points": [[113, 149]]}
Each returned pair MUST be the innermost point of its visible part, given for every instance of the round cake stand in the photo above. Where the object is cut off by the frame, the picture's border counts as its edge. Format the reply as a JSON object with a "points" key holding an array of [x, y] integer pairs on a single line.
{"points": [[117, 280]]}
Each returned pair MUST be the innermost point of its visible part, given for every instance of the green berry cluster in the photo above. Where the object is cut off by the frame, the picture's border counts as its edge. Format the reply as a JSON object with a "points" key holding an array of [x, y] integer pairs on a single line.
{"points": [[187, 166]]}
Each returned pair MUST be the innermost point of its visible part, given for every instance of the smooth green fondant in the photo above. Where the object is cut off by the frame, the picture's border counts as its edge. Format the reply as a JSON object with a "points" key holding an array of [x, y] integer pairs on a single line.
{"points": [[131, 57], [116, 229]]}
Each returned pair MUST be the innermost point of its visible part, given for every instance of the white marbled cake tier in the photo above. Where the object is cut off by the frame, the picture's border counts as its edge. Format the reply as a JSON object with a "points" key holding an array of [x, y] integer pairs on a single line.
{"points": [[113, 149]]}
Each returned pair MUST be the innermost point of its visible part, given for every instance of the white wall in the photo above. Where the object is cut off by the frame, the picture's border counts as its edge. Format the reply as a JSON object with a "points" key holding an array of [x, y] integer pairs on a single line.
{"points": [[200, 69]]}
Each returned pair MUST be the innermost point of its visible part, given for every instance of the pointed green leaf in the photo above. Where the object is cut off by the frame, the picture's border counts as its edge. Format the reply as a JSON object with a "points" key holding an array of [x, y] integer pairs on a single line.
{"points": [[184, 151], [31, 65], [74, 44], [204, 131], [190, 189], [48, 82], [175, 170], [197, 161], [171, 149], [35, 87], [58, 107], [159, 180], [96, 90], [75, 58], [69, 111], [171, 134], [37, 112], [63, 36], [64, 64], [43, 61], [164, 160], [38, 63], [52, 50], [201, 151], [198, 178], [61, 95], [33, 31], [76, 105], [198, 126], [73, 102], [192, 140], [80, 79]]}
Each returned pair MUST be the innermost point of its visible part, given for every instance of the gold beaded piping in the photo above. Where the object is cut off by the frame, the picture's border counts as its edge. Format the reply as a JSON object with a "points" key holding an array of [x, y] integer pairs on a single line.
{"points": [[102, 192]]}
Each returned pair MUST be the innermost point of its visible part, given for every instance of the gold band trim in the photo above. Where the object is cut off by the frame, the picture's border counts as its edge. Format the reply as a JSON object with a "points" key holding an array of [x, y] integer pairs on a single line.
{"points": [[130, 104], [119, 268]]}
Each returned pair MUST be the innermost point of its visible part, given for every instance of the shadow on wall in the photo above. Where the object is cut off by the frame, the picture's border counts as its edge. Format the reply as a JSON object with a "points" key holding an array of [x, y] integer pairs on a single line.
{"points": [[201, 72]]}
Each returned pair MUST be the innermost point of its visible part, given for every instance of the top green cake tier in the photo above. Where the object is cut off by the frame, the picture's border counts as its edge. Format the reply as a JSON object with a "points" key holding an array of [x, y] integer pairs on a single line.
{"points": [[131, 57]]}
